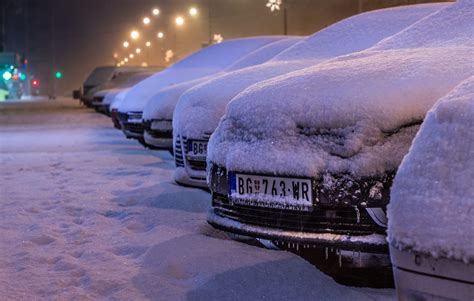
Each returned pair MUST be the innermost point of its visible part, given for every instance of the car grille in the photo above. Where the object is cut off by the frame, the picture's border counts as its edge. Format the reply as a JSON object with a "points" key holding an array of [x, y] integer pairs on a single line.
{"points": [[336, 220], [131, 126], [193, 163], [178, 152]]}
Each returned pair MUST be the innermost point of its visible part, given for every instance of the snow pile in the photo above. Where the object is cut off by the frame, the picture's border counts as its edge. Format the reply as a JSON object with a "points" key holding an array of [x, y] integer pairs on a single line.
{"points": [[162, 104], [436, 178], [202, 63], [201, 108], [347, 116]]}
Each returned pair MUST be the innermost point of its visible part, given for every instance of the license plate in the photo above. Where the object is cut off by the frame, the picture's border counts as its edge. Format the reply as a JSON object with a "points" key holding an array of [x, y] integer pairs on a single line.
{"points": [[197, 149], [271, 192]]}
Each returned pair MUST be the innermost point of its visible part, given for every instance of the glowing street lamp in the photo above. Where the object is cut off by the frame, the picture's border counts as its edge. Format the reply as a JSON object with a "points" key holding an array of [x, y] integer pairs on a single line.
{"points": [[160, 35], [126, 60], [274, 4], [156, 11], [193, 11], [125, 44], [148, 44], [179, 20], [134, 34], [131, 55], [138, 50], [115, 55], [146, 20]]}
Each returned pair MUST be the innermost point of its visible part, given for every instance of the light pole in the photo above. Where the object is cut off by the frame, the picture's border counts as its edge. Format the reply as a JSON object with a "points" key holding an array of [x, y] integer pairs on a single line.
{"points": [[274, 6]]}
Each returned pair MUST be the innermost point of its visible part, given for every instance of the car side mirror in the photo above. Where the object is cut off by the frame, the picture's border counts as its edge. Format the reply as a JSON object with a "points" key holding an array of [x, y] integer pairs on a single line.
{"points": [[76, 94]]}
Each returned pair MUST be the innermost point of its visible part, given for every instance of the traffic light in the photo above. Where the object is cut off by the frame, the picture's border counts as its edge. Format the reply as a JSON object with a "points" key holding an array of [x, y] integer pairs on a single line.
{"points": [[15, 77], [35, 83], [22, 76], [58, 74], [7, 75]]}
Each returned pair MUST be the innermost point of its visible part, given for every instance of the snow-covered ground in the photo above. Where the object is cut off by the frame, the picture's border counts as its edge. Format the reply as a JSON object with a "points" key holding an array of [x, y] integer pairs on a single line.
{"points": [[86, 214]]}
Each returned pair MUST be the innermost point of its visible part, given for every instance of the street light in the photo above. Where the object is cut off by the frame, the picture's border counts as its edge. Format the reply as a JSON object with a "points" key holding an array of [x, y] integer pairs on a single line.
{"points": [[126, 60], [115, 55], [125, 44], [134, 34], [160, 35], [156, 11], [131, 55], [146, 20], [274, 4], [138, 50], [193, 11], [148, 44], [179, 20]]}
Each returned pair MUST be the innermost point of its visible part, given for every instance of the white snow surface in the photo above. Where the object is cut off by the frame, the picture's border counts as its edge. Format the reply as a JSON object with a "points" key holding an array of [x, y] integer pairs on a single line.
{"points": [[88, 215], [334, 117], [432, 199], [204, 62], [116, 101], [162, 104], [200, 109]]}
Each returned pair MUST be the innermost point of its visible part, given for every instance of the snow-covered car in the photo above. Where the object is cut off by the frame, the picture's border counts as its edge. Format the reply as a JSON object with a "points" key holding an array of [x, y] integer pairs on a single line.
{"points": [[105, 77], [158, 113], [432, 204], [204, 62], [121, 81], [113, 108], [309, 157], [200, 108]]}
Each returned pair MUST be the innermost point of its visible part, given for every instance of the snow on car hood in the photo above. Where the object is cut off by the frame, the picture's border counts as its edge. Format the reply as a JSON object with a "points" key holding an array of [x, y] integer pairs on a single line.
{"points": [[204, 62], [200, 108], [343, 116], [163, 103], [118, 99], [436, 178]]}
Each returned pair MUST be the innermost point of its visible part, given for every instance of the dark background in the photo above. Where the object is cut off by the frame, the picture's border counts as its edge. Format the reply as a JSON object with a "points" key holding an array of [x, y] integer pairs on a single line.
{"points": [[74, 36]]}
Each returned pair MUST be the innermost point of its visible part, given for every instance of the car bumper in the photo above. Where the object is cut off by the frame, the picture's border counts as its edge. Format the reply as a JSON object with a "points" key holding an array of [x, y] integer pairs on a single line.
{"points": [[369, 243], [131, 129], [422, 277], [184, 178], [158, 143]]}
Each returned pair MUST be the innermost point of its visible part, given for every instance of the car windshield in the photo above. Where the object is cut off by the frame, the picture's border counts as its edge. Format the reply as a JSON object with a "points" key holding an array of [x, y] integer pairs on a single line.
{"points": [[99, 76]]}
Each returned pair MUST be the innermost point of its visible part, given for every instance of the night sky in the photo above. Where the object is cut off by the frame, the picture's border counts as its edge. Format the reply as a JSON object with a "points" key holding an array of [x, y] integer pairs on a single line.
{"points": [[74, 36]]}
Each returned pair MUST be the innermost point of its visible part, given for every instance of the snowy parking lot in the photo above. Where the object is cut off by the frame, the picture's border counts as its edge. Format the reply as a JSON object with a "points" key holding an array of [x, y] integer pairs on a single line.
{"points": [[86, 214]]}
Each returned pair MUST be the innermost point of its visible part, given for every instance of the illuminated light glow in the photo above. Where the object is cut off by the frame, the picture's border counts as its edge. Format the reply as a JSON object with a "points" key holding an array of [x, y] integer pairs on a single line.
{"points": [[138, 50], [274, 4], [156, 11], [126, 44], [144, 64], [179, 20], [126, 59], [134, 34], [131, 55], [58, 74], [160, 35], [7, 75], [35, 83], [115, 55], [15, 77], [146, 20], [148, 44], [22, 76], [217, 38], [193, 11]]}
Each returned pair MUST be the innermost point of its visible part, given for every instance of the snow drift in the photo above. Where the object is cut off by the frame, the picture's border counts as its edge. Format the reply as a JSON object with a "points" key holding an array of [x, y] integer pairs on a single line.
{"points": [[436, 178]]}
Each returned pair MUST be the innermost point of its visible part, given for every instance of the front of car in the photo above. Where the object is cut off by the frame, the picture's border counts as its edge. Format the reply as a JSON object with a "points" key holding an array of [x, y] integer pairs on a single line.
{"points": [[309, 157], [432, 248], [199, 109]]}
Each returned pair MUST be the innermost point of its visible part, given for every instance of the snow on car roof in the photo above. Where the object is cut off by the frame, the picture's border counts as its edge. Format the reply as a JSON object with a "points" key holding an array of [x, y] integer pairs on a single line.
{"points": [[204, 62], [123, 80], [342, 116], [436, 178], [200, 109], [162, 104]]}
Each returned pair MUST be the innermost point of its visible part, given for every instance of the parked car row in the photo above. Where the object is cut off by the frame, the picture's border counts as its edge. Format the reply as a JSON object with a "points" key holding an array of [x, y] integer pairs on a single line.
{"points": [[299, 139]]}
